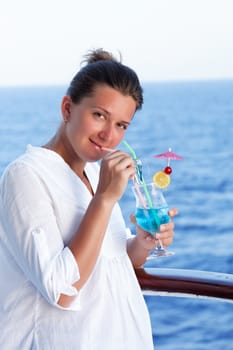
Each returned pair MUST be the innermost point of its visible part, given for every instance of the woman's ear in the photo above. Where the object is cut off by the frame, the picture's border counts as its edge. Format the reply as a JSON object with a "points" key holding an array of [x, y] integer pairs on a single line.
{"points": [[65, 108]]}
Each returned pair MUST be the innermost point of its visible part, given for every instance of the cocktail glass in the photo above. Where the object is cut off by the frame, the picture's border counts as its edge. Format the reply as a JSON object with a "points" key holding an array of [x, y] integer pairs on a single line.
{"points": [[151, 212]]}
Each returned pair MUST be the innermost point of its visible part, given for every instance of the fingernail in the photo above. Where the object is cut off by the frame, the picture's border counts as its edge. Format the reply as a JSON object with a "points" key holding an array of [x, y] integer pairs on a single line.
{"points": [[148, 238], [162, 228]]}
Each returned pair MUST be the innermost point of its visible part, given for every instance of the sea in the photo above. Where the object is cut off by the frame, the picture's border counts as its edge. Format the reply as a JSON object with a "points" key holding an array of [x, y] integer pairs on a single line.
{"points": [[194, 119]]}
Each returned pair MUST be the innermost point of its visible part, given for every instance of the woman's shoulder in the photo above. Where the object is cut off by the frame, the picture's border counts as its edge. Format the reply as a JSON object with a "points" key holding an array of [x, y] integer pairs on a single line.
{"points": [[14, 173], [20, 167], [16, 164], [33, 157]]}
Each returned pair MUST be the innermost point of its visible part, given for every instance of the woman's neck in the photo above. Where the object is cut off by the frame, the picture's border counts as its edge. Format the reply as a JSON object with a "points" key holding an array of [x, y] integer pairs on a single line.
{"points": [[60, 145]]}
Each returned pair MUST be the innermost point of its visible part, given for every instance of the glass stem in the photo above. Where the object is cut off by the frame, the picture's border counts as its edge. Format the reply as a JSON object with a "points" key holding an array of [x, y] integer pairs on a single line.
{"points": [[160, 245]]}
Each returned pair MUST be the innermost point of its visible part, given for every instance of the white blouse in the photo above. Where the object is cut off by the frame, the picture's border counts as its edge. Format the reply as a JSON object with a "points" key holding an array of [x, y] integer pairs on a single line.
{"points": [[42, 203]]}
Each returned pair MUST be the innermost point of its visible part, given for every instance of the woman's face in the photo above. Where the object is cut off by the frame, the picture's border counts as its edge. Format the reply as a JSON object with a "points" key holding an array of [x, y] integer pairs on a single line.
{"points": [[97, 121]]}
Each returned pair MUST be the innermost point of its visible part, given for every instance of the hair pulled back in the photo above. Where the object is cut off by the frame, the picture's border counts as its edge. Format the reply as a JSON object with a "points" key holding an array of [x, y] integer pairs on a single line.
{"points": [[103, 68]]}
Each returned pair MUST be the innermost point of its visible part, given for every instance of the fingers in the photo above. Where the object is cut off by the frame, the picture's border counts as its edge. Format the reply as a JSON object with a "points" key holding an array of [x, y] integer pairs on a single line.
{"points": [[166, 233], [117, 156], [147, 241], [167, 227], [173, 212], [119, 163], [120, 159], [115, 171]]}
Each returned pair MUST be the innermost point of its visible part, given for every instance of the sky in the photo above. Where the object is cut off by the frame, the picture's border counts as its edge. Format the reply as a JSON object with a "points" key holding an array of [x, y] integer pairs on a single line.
{"points": [[43, 42]]}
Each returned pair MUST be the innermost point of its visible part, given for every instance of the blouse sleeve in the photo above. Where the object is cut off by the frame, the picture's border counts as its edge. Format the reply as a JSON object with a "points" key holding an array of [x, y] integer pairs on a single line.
{"points": [[31, 234]]}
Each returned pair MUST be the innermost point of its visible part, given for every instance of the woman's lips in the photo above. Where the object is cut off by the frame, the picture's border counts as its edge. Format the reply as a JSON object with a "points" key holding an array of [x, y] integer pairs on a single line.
{"points": [[99, 147], [102, 148]]}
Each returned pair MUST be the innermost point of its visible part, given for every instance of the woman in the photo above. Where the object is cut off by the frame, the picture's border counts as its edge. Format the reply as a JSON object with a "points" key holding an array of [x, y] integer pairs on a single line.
{"points": [[66, 265]]}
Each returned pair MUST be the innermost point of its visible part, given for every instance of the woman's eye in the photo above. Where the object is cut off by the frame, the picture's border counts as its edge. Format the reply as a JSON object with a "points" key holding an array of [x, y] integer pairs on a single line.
{"points": [[122, 126], [99, 115]]}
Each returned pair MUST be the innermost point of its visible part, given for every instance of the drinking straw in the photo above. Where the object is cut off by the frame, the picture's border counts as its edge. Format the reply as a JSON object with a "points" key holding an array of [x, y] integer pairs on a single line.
{"points": [[108, 149], [136, 183], [139, 193], [157, 221], [130, 149]]}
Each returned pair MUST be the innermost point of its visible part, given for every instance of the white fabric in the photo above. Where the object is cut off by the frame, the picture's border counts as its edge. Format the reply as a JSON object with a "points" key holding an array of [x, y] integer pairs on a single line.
{"points": [[42, 202]]}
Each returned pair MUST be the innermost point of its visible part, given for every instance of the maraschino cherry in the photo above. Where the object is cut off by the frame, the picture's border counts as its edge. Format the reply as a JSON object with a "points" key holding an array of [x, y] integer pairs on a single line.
{"points": [[168, 170]]}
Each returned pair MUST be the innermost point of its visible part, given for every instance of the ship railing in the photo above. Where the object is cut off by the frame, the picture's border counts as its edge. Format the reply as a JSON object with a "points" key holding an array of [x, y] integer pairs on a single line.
{"points": [[186, 283]]}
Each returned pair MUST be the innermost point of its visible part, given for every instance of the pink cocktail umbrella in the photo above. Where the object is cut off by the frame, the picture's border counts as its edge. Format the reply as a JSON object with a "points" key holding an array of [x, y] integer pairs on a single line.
{"points": [[169, 155]]}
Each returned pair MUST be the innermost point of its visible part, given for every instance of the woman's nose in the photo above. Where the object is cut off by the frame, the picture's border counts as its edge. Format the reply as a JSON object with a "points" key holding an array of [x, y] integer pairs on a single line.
{"points": [[106, 133]]}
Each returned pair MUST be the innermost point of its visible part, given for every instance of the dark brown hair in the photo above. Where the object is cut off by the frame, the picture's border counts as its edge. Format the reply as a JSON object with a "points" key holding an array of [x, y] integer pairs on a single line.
{"points": [[103, 68]]}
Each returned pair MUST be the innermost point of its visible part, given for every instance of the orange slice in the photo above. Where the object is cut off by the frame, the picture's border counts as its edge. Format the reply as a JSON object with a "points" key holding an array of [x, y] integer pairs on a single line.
{"points": [[161, 179]]}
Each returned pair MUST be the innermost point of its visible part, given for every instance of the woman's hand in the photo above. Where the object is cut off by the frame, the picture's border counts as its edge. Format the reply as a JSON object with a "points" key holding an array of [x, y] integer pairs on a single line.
{"points": [[165, 234], [116, 169]]}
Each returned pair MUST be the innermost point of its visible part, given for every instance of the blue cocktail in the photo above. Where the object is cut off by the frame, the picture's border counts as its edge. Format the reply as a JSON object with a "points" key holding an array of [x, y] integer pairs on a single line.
{"points": [[151, 212], [145, 218]]}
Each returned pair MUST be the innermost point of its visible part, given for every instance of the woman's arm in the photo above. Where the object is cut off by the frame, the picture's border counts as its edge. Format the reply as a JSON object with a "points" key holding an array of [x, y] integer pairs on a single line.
{"points": [[115, 171]]}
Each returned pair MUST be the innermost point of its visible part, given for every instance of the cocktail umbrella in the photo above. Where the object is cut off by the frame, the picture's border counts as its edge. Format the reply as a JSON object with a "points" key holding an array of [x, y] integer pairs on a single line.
{"points": [[169, 155], [162, 178]]}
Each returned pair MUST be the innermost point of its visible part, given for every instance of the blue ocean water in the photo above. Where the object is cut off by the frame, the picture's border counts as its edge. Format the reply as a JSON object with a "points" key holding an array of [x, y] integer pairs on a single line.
{"points": [[194, 119]]}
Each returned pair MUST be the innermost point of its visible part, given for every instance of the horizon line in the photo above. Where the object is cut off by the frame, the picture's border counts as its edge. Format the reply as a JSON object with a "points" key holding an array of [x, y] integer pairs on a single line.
{"points": [[188, 80]]}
